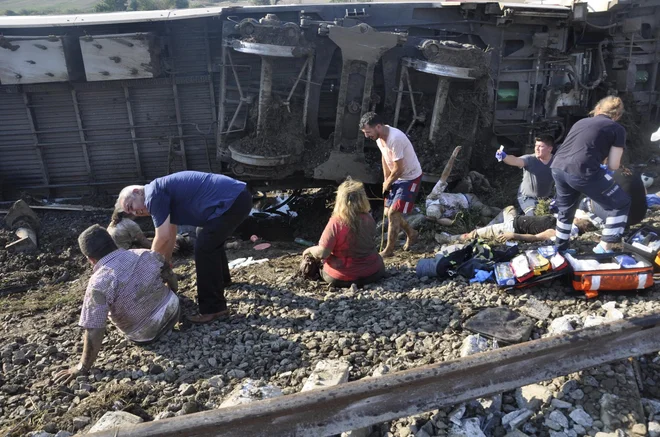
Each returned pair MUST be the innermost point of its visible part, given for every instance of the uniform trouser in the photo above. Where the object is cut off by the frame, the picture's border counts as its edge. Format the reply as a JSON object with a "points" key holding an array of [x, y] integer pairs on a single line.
{"points": [[602, 189], [210, 258], [527, 204]]}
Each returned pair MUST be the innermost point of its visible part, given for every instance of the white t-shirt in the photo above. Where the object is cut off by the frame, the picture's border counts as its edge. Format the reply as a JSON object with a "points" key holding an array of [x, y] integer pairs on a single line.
{"points": [[445, 205], [398, 147]]}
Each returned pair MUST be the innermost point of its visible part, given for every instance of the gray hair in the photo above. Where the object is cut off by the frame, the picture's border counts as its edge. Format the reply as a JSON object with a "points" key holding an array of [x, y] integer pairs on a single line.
{"points": [[125, 195]]}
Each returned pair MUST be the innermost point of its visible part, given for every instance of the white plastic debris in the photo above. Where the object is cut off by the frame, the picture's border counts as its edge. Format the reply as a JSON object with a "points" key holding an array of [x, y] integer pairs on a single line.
{"points": [[244, 262], [473, 344], [563, 324]]}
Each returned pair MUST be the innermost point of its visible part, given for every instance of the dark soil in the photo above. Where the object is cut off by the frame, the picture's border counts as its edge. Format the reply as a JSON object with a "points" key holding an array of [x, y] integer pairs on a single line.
{"points": [[283, 132]]}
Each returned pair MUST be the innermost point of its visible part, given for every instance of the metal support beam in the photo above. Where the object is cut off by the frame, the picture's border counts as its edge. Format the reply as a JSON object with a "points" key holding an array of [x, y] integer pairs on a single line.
{"points": [[182, 145], [136, 152], [399, 95], [209, 68], [220, 139], [81, 133], [308, 87], [370, 401], [265, 92], [441, 94], [366, 100], [35, 138], [341, 103]]}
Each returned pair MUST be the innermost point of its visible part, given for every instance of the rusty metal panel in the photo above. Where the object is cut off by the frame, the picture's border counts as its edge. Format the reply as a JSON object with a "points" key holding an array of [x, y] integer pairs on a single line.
{"points": [[107, 130], [189, 47], [120, 56], [57, 131], [155, 120], [197, 119], [19, 163], [32, 60]]}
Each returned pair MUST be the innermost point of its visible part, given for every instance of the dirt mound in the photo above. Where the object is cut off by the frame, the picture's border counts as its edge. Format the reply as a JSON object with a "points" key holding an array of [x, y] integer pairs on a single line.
{"points": [[283, 132]]}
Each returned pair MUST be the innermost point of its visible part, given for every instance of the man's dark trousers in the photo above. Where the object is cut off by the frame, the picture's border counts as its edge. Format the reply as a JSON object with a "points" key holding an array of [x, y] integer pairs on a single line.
{"points": [[210, 257], [600, 188]]}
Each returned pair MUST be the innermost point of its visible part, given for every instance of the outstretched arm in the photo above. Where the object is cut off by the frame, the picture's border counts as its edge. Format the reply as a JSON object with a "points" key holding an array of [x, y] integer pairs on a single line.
{"points": [[514, 161], [93, 340], [450, 164], [529, 238], [318, 252]]}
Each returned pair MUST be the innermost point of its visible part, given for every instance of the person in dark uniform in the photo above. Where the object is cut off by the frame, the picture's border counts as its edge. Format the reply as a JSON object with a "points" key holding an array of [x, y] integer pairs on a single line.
{"points": [[632, 184], [577, 170]]}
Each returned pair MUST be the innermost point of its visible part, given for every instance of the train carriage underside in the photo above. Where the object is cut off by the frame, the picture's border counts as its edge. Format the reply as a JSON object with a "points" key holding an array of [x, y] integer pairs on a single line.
{"points": [[273, 94]]}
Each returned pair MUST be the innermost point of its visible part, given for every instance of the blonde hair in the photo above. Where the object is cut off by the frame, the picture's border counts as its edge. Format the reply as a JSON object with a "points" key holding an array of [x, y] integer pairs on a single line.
{"points": [[610, 106], [351, 201]]}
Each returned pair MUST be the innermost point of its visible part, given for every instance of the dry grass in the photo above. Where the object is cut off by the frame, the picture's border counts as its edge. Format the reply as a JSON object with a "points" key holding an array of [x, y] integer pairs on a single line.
{"points": [[45, 298]]}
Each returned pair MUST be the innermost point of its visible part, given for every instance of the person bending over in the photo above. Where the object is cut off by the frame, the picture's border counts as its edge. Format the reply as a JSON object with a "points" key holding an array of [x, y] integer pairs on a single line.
{"points": [[577, 170], [216, 204], [347, 244]]}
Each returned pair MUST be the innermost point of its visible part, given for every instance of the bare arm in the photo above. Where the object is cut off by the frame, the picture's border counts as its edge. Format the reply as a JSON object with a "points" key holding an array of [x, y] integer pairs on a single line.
{"points": [[614, 158], [394, 175], [165, 239], [543, 236], [513, 161], [386, 169], [143, 241], [318, 252], [450, 164], [92, 343]]}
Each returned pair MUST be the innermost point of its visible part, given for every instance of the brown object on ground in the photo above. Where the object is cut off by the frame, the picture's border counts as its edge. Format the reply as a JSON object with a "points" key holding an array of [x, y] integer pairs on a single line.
{"points": [[310, 268], [21, 219], [208, 318], [20, 215]]}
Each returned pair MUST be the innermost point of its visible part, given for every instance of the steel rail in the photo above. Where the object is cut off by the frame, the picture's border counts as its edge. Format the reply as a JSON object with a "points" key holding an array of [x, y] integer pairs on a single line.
{"points": [[370, 401]]}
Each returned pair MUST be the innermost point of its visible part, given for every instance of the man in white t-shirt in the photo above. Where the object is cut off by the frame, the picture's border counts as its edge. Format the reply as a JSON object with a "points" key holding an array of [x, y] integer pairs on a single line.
{"points": [[402, 176]]}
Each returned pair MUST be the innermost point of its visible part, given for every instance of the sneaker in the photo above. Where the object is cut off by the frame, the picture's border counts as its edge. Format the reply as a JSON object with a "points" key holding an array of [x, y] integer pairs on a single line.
{"points": [[600, 249]]}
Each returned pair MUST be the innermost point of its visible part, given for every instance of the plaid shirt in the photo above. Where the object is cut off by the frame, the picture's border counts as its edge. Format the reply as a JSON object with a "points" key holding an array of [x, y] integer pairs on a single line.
{"points": [[126, 284]]}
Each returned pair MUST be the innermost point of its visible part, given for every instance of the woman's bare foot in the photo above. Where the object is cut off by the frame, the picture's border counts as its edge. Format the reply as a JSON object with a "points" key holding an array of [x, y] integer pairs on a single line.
{"points": [[411, 240], [387, 253]]}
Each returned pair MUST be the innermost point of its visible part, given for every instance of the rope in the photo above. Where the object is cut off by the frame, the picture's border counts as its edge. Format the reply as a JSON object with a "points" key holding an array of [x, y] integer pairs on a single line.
{"points": [[382, 229]]}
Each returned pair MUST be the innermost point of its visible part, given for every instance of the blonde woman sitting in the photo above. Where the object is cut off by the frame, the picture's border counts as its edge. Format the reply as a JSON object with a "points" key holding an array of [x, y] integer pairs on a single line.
{"points": [[347, 245]]}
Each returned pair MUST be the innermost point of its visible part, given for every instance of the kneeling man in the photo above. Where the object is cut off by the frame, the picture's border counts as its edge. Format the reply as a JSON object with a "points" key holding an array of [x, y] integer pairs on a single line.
{"points": [[126, 286]]}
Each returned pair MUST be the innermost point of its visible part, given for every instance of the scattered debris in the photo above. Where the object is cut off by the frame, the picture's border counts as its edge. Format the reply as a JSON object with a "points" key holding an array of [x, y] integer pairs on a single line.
{"points": [[501, 324]]}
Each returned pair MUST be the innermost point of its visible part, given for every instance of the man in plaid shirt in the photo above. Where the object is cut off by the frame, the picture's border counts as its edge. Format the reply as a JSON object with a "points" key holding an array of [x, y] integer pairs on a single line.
{"points": [[128, 287]]}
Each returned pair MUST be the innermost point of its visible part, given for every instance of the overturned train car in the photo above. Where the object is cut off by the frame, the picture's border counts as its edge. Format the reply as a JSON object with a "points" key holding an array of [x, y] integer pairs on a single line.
{"points": [[273, 94]]}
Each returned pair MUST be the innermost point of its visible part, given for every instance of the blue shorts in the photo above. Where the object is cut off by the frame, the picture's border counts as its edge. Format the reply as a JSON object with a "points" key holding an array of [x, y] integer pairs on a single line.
{"points": [[402, 195]]}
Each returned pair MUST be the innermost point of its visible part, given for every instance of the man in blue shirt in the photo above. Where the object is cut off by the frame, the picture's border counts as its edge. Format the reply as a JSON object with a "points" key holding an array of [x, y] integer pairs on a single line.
{"points": [[216, 204]]}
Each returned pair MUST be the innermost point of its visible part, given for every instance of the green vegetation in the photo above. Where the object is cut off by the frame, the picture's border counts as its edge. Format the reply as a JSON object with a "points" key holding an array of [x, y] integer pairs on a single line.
{"points": [[55, 7], [139, 5]]}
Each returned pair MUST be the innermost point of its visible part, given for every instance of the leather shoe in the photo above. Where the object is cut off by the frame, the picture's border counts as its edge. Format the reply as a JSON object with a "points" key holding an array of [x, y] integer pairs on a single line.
{"points": [[208, 318]]}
